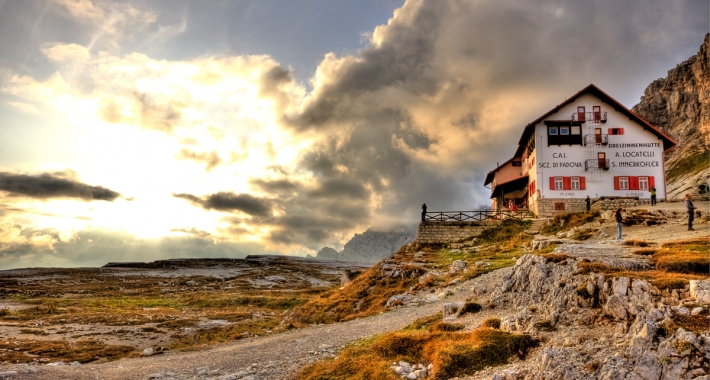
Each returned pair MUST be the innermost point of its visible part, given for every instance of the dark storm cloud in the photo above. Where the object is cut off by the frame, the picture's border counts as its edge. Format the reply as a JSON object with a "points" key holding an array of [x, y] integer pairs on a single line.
{"points": [[229, 201], [276, 186], [212, 159], [46, 186]]}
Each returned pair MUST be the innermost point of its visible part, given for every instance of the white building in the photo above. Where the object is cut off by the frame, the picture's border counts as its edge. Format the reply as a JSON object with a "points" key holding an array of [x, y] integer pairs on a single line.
{"points": [[590, 145]]}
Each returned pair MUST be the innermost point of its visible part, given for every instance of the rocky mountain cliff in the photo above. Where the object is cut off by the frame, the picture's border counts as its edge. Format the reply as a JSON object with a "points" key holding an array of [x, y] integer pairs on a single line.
{"points": [[370, 246], [678, 104]]}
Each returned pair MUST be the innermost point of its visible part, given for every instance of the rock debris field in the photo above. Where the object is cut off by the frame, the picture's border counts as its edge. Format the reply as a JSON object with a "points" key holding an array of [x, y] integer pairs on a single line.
{"points": [[591, 324]]}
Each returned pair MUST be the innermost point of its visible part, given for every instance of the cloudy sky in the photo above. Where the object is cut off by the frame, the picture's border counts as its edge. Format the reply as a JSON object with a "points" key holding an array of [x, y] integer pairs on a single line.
{"points": [[141, 130]]}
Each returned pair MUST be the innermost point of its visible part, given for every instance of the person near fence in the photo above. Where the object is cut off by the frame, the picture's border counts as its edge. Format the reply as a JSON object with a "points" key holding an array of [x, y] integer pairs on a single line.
{"points": [[423, 212], [588, 203], [691, 211], [652, 190], [619, 223]]}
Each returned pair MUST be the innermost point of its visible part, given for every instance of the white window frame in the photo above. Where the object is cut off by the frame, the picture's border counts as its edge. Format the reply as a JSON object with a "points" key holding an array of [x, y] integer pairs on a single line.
{"points": [[551, 130], [575, 183], [564, 129], [559, 183], [643, 183], [623, 183]]}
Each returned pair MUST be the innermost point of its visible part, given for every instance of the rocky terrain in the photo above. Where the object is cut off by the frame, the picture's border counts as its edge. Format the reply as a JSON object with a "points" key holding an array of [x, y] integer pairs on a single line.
{"points": [[597, 308], [125, 309], [370, 246], [679, 105]]}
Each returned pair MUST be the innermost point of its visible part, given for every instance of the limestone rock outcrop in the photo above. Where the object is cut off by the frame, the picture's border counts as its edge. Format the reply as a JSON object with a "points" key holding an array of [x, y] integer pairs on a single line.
{"points": [[679, 105]]}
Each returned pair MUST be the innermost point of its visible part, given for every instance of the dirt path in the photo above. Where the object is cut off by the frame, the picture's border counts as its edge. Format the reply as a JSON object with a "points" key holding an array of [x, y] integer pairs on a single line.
{"points": [[269, 357]]}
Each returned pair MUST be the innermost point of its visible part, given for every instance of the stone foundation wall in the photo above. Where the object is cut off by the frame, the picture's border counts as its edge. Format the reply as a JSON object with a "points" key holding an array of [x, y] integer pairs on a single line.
{"points": [[448, 232], [613, 204], [546, 206]]}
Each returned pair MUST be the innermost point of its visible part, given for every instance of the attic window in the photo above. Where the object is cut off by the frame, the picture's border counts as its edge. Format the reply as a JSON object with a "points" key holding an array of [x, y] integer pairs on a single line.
{"points": [[517, 163], [616, 131]]}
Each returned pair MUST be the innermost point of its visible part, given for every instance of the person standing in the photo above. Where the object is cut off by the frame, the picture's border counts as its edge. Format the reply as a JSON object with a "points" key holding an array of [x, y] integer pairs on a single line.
{"points": [[691, 211], [652, 190], [423, 212], [588, 203], [619, 223]]}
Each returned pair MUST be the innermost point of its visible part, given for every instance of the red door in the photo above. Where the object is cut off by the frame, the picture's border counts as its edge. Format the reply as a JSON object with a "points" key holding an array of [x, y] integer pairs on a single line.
{"points": [[597, 111], [601, 158], [598, 135], [580, 114]]}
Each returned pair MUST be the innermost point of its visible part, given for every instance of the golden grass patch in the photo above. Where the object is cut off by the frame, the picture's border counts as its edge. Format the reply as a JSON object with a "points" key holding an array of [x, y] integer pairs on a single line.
{"points": [[451, 354], [565, 222]]}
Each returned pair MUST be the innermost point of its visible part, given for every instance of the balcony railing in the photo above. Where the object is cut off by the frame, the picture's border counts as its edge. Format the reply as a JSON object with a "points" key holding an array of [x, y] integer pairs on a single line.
{"points": [[596, 163], [596, 139], [473, 216], [599, 117]]}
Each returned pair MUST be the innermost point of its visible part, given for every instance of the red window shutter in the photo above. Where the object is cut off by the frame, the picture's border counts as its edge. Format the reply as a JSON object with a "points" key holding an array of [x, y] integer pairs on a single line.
{"points": [[582, 184], [621, 131], [633, 183], [651, 182], [616, 183], [608, 130], [566, 183], [552, 183]]}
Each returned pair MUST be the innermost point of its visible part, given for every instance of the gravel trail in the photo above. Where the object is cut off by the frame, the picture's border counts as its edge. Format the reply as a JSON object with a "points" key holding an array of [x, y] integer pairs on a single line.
{"points": [[268, 357]]}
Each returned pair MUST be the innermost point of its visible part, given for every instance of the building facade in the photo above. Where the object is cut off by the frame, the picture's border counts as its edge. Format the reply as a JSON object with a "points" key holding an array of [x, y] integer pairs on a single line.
{"points": [[590, 145]]}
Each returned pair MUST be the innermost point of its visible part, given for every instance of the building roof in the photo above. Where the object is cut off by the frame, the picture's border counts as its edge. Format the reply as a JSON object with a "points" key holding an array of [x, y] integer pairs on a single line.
{"points": [[668, 142], [492, 173], [518, 183]]}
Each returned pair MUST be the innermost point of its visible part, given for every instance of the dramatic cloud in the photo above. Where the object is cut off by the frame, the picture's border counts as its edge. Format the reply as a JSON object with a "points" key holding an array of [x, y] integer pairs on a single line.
{"points": [[211, 159], [420, 113], [228, 201], [46, 186]]}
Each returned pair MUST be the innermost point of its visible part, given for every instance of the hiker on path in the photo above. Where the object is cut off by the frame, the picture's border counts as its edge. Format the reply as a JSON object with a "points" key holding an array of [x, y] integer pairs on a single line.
{"points": [[619, 222], [691, 211], [588, 202], [652, 190], [423, 212]]}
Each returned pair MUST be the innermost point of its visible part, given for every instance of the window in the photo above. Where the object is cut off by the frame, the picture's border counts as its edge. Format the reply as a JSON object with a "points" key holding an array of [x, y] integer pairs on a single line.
{"points": [[552, 131], [643, 183], [567, 183], [564, 131], [517, 163], [616, 131], [576, 130], [623, 183], [559, 183]]}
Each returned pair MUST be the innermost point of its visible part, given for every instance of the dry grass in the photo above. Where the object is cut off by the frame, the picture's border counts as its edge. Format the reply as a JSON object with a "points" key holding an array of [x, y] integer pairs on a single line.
{"points": [[451, 353], [555, 257], [659, 279], [676, 264], [565, 222], [23, 351], [368, 293], [470, 307], [645, 251], [637, 243], [493, 323]]}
